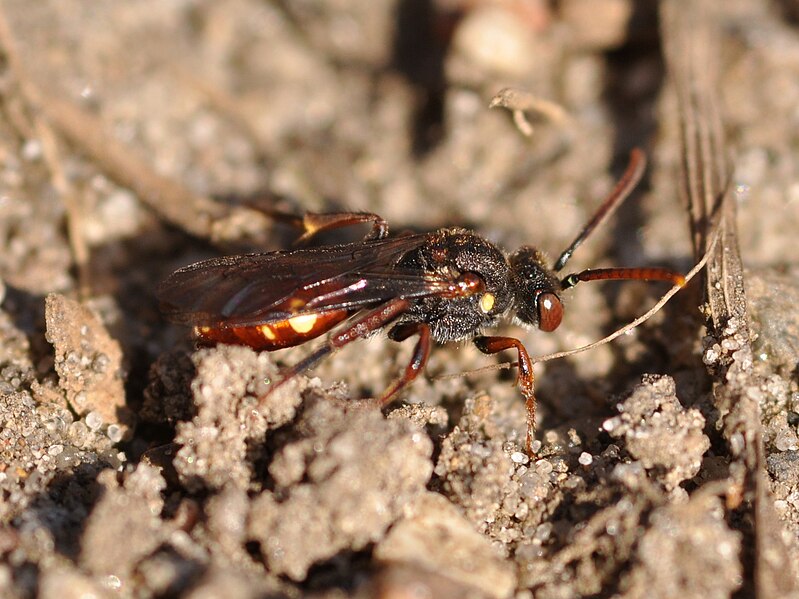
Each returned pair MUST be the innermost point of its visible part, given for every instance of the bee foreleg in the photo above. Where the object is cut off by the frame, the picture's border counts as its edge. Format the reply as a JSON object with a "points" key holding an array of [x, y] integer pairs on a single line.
{"points": [[525, 378]]}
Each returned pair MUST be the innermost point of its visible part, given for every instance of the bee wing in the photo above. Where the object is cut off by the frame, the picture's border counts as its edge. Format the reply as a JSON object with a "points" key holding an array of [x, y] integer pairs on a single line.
{"points": [[254, 289]]}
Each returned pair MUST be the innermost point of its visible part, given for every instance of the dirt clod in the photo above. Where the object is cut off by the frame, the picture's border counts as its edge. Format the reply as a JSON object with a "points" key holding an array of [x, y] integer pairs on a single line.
{"points": [[88, 362], [124, 526], [436, 538], [229, 383], [659, 432], [694, 531], [340, 485]]}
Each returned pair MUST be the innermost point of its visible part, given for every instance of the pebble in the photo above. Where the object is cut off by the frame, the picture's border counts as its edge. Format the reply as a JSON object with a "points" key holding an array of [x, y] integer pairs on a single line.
{"points": [[519, 458], [94, 421]]}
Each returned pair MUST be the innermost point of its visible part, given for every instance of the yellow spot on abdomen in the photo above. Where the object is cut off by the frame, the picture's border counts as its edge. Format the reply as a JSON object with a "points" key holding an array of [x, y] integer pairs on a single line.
{"points": [[296, 304], [487, 302], [268, 332], [303, 323]]}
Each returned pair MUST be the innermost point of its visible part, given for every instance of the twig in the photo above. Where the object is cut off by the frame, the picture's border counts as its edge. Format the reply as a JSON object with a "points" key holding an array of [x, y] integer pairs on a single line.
{"points": [[520, 102], [72, 204], [692, 45]]}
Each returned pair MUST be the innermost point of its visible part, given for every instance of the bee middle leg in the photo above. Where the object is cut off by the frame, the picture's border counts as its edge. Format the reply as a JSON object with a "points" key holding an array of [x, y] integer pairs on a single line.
{"points": [[418, 360]]}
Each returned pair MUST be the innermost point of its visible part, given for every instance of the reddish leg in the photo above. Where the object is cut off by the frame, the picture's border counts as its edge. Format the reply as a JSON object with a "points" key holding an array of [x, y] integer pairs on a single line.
{"points": [[312, 223], [360, 327], [418, 360], [525, 379]]}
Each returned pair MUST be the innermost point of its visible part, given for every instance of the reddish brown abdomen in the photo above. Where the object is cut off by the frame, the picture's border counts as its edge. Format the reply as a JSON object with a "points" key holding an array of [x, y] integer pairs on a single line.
{"points": [[274, 335]]}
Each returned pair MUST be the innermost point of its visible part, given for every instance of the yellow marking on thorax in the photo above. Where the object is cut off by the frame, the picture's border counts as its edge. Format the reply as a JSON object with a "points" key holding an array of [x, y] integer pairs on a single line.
{"points": [[303, 323], [487, 302]]}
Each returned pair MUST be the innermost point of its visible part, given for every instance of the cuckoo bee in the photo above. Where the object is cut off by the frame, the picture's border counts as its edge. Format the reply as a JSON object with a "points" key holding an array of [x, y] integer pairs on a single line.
{"points": [[447, 285]]}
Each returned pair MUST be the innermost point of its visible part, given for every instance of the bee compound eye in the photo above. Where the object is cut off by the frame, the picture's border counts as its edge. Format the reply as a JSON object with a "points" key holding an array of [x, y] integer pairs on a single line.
{"points": [[550, 311]]}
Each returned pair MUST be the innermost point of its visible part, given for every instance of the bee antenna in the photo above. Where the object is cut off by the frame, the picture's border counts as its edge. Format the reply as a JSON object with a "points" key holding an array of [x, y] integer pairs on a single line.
{"points": [[635, 274], [622, 190]]}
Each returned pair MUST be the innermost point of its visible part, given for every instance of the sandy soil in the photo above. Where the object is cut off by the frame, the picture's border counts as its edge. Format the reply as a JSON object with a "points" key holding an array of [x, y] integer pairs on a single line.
{"points": [[136, 137]]}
